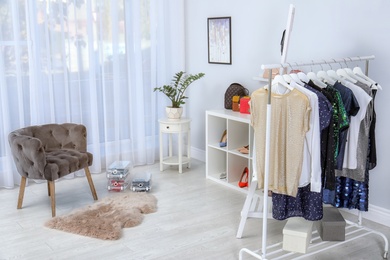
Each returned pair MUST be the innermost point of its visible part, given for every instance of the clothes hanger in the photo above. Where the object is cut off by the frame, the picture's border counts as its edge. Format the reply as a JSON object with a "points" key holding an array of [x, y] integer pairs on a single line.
{"points": [[287, 78], [322, 75], [358, 72], [313, 77], [356, 77], [296, 79], [353, 75], [292, 77], [299, 77], [333, 75], [349, 72], [344, 74], [279, 81], [303, 77]]}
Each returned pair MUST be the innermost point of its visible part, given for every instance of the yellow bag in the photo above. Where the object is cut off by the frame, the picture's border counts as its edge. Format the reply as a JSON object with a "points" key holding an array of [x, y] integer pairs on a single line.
{"points": [[236, 103]]}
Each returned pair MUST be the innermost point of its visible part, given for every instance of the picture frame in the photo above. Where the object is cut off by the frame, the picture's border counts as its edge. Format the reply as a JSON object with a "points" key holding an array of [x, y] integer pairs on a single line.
{"points": [[219, 36]]}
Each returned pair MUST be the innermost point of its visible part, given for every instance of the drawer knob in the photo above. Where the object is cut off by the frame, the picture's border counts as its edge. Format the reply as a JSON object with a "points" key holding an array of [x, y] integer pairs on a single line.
{"points": [[167, 127]]}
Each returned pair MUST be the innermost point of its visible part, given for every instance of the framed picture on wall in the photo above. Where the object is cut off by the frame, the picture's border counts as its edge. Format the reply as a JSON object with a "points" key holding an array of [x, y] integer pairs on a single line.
{"points": [[219, 40]]}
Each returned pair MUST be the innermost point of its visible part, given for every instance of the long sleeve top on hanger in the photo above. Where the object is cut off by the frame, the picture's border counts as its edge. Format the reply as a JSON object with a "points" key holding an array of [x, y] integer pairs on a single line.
{"points": [[311, 166]]}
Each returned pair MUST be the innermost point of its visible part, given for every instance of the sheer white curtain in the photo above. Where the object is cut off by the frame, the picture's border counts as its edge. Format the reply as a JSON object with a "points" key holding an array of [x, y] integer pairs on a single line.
{"points": [[93, 62]]}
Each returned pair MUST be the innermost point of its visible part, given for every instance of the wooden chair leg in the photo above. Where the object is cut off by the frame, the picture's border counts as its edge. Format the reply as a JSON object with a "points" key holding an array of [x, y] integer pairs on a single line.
{"points": [[48, 189], [52, 197], [21, 192], [89, 178]]}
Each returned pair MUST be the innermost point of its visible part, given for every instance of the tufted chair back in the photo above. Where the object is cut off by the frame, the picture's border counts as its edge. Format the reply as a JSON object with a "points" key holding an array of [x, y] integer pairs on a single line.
{"points": [[42, 152], [49, 152]]}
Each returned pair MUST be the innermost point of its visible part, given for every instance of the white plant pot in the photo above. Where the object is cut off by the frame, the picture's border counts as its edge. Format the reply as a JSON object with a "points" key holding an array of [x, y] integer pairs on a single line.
{"points": [[173, 112]]}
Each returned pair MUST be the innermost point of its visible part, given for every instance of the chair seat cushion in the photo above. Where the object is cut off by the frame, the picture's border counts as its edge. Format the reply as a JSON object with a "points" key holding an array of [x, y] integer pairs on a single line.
{"points": [[61, 162]]}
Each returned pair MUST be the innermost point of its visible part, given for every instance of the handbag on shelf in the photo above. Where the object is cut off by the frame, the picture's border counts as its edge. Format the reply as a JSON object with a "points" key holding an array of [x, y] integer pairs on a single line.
{"points": [[236, 103], [244, 105], [235, 89]]}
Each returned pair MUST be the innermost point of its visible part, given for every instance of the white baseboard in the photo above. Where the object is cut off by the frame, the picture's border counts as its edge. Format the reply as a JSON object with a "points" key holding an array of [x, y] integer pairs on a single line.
{"points": [[198, 154], [375, 214]]}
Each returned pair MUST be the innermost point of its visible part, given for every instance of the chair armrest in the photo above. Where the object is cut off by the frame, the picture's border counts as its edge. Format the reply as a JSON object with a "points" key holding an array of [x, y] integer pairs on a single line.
{"points": [[29, 155]]}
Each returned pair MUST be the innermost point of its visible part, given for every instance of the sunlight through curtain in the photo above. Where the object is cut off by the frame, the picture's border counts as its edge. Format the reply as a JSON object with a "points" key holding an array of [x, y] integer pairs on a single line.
{"points": [[93, 62]]}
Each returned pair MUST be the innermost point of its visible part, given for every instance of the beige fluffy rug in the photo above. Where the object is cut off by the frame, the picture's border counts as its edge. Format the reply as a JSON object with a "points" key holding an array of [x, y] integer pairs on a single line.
{"points": [[106, 218]]}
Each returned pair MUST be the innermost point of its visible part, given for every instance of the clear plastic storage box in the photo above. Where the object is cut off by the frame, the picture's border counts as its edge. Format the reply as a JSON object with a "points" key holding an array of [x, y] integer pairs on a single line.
{"points": [[118, 175]]}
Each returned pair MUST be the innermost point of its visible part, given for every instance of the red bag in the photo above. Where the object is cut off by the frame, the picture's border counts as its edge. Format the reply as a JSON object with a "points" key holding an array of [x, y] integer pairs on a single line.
{"points": [[244, 105]]}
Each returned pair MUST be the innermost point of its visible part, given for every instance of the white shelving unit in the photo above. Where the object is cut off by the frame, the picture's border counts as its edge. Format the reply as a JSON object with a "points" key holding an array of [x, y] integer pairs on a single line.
{"points": [[228, 159]]}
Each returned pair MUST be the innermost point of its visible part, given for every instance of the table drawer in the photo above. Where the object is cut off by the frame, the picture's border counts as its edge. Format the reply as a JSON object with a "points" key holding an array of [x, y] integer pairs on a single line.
{"points": [[173, 128]]}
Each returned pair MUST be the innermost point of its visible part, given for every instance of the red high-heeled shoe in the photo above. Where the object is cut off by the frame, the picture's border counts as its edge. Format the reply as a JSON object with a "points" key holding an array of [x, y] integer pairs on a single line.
{"points": [[244, 178]]}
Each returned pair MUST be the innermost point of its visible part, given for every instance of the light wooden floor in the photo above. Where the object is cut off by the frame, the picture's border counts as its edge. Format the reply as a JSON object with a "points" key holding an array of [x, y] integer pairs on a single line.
{"points": [[196, 219]]}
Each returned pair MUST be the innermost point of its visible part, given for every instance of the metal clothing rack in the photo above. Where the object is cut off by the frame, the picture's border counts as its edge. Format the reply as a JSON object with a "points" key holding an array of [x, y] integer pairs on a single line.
{"points": [[249, 209]]}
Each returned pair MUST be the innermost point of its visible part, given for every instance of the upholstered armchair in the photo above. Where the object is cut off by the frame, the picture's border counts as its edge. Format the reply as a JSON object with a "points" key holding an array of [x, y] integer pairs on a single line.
{"points": [[49, 152]]}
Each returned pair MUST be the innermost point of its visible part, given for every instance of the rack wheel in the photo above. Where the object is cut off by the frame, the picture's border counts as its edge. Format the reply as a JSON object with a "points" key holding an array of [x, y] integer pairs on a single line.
{"points": [[385, 255], [147, 188], [133, 188]]}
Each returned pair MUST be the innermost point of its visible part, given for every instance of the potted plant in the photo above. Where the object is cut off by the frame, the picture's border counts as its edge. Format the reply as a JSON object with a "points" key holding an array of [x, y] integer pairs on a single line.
{"points": [[176, 90]]}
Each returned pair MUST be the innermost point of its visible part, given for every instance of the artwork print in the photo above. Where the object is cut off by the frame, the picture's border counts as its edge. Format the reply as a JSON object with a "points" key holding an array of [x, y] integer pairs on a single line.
{"points": [[219, 40]]}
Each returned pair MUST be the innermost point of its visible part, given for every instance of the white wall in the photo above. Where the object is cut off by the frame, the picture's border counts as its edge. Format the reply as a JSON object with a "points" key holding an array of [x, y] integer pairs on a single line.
{"points": [[322, 30]]}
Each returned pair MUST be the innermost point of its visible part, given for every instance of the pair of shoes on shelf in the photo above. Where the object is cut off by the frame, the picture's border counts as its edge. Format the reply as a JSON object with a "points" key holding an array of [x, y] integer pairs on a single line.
{"points": [[222, 175], [223, 141], [244, 178], [244, 149]]}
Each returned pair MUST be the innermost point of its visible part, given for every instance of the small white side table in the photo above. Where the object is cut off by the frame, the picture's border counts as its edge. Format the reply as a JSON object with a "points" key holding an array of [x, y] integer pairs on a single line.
{"points": [[180, 127]]}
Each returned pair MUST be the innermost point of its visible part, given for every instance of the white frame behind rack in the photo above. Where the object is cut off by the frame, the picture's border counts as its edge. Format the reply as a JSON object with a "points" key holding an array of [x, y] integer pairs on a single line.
{"points": [[251, 192]]}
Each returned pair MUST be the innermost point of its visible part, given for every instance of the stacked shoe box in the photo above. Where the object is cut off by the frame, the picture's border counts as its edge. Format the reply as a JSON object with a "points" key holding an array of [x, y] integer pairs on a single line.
{"points": [[297, 234], [332, 225], [118, 175]]}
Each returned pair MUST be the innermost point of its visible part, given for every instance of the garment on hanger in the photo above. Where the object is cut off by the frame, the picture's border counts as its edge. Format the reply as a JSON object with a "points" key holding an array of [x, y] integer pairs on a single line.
{"points": [[364, 98], [306, 204], [352, 107], [372, 159], [349, 194], [326, 127], [330, 134], [356, 156], [359, 173], [340, 116], [311, 165], [289, 123], [325, 107]]}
